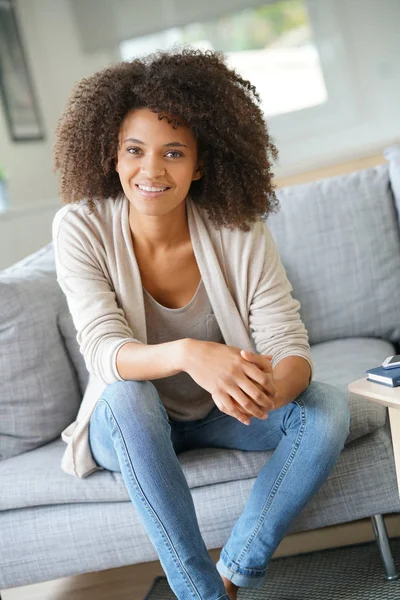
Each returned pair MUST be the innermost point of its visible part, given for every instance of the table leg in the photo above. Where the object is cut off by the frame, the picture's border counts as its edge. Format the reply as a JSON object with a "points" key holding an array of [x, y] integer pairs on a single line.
{"points": [[394, 418], [383, 542]]}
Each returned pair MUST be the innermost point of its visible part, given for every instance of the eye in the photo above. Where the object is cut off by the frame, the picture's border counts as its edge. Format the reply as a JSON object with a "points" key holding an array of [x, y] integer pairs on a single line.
{"points": [[134, 150], [176, 153]]}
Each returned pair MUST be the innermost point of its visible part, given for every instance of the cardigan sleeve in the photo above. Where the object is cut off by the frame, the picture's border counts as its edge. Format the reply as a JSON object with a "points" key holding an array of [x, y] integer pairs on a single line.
{"points": [[274, 318], [100, 323]]}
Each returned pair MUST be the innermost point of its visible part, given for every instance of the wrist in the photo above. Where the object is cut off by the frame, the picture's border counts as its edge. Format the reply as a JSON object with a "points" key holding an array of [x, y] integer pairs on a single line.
{"points": [[181, 354]]}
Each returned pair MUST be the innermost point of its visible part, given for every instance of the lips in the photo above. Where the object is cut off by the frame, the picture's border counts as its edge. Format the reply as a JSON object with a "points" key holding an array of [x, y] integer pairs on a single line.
{"points": [[152, 184], [148, 194]]}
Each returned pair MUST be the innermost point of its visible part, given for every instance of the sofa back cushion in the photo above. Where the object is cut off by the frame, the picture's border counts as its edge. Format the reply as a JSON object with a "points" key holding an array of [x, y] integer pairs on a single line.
{"points": [[339, 241], [40, 389], [392, 154]]}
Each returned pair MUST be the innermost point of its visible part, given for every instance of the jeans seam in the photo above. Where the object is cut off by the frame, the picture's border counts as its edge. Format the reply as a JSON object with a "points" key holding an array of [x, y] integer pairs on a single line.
{"points": [[277, 483], [147, 505]]}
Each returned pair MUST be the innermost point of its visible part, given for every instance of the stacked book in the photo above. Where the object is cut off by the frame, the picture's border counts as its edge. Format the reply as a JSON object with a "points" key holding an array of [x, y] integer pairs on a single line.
{"points": [[390, 377]]}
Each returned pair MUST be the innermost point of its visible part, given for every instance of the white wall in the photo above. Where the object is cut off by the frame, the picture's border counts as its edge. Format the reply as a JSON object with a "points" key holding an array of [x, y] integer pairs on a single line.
{"points": [[360, 37], [56, 62]]}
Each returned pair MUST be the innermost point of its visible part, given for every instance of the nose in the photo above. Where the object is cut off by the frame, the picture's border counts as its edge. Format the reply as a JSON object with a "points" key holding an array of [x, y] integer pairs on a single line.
{"points": [[152, 166]]}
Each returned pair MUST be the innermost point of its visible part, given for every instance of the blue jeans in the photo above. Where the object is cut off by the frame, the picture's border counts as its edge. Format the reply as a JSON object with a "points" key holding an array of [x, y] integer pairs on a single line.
{"points": [[130, 432]]}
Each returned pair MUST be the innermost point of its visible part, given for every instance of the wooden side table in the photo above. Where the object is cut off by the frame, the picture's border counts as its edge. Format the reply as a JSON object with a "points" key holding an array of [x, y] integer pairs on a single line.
{"points": [[390, 397]]}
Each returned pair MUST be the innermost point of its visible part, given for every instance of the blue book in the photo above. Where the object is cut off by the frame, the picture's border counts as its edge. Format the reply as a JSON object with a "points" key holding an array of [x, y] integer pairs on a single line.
{"points": [[390, 377]]}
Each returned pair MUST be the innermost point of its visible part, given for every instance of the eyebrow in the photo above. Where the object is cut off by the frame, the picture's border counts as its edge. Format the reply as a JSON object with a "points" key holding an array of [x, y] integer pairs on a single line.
{"points": [[165, 145]]}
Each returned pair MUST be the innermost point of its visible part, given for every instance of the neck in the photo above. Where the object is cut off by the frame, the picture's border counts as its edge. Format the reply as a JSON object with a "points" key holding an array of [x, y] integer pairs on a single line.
{"points": [[159, 234]]}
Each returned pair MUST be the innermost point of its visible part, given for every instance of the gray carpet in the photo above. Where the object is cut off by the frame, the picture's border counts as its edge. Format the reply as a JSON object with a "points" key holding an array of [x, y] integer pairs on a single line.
{"points": [[352, 573]]}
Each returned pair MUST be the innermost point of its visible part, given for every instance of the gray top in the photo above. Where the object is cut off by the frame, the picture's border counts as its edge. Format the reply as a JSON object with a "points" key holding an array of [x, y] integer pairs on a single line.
{"points": [[182, 397]]}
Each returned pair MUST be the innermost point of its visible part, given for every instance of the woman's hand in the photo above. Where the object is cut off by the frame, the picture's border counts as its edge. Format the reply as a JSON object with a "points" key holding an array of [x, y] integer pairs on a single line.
{"points": [[264, 362], [238, 387]]}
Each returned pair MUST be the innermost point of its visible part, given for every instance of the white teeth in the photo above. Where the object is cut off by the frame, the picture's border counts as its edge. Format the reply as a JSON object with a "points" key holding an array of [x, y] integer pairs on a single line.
{"points": [[146, 188]]}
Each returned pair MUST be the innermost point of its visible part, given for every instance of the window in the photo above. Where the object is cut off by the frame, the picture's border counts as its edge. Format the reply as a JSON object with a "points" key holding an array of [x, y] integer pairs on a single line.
{"points": [[326, 71], [271, 45]]}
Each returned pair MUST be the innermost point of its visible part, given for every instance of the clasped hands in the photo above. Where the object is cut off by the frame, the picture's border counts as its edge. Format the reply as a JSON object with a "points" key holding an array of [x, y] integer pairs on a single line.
{"points": [[255, 395], [268, 388], [241, 383]]}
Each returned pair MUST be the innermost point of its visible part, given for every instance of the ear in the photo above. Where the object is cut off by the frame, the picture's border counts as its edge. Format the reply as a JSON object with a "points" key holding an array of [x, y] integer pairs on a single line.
{"points": [[198, 173]]}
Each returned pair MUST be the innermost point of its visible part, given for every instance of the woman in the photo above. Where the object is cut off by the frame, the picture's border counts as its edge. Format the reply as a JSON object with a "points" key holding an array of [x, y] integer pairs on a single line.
{"points": [[183, 310]]}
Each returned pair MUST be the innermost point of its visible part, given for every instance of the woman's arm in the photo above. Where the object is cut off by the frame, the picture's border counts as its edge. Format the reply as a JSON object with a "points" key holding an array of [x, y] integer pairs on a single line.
{"points": [[274, 319], [143, 362], [292, 376], [99, 321]]}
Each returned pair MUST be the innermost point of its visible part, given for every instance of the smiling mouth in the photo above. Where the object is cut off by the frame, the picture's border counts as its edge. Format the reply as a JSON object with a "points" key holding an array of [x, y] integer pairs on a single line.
{"points": [[152, 192], [152, 188]]}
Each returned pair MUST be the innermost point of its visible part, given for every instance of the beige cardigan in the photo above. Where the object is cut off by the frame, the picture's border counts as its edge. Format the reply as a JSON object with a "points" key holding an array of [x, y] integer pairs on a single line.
{"points": [[97, 270]]}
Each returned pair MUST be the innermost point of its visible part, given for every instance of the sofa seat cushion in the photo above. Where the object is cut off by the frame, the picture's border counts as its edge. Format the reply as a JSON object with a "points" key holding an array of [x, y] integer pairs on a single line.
{"points": [[36, 478], [43, 543], [340, 362]]}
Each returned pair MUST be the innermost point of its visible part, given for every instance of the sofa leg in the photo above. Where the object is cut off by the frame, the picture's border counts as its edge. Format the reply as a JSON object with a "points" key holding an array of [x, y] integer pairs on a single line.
{"points": [[383, 542]]}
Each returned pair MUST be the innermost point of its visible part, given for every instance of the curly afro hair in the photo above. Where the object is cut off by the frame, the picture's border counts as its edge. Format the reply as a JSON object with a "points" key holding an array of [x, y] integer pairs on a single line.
{"points": [[221, 108]]}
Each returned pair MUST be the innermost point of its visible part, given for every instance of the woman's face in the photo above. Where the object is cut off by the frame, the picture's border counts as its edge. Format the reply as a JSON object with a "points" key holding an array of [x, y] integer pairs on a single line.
{"points": [[156, 163]]}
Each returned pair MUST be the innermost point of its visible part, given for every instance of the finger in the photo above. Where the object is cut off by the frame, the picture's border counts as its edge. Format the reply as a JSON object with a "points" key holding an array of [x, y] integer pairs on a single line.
{"points": [[250, 355], [259, 394], [264, 362], [241, 409], [227, 406], [245, 413], [246, 403], [265, 380]]}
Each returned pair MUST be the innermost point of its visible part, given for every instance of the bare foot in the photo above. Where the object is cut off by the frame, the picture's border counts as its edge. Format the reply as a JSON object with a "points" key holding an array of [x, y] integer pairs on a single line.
{"points": [[231, 588]]}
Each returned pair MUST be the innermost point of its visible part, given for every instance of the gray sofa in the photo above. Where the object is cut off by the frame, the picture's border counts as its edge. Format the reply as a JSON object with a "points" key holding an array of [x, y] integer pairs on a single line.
{"points": [[339, 240]]}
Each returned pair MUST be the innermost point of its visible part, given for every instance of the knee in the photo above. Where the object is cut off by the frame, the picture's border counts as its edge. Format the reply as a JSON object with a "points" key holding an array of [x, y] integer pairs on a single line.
{"points": [[138, 398], [328, 408]]}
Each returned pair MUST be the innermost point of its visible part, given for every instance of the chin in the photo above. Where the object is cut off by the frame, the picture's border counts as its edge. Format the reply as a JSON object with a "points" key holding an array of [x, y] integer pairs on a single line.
{"points": [[154, 206], [148, 208]]}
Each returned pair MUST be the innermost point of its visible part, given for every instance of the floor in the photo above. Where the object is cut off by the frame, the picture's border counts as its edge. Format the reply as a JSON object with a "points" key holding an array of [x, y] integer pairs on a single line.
{"points": [[132, 582]]}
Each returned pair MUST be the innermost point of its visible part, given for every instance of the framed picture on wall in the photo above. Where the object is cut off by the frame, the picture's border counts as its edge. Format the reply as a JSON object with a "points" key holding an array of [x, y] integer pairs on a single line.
{"points": [[16, 90]]}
